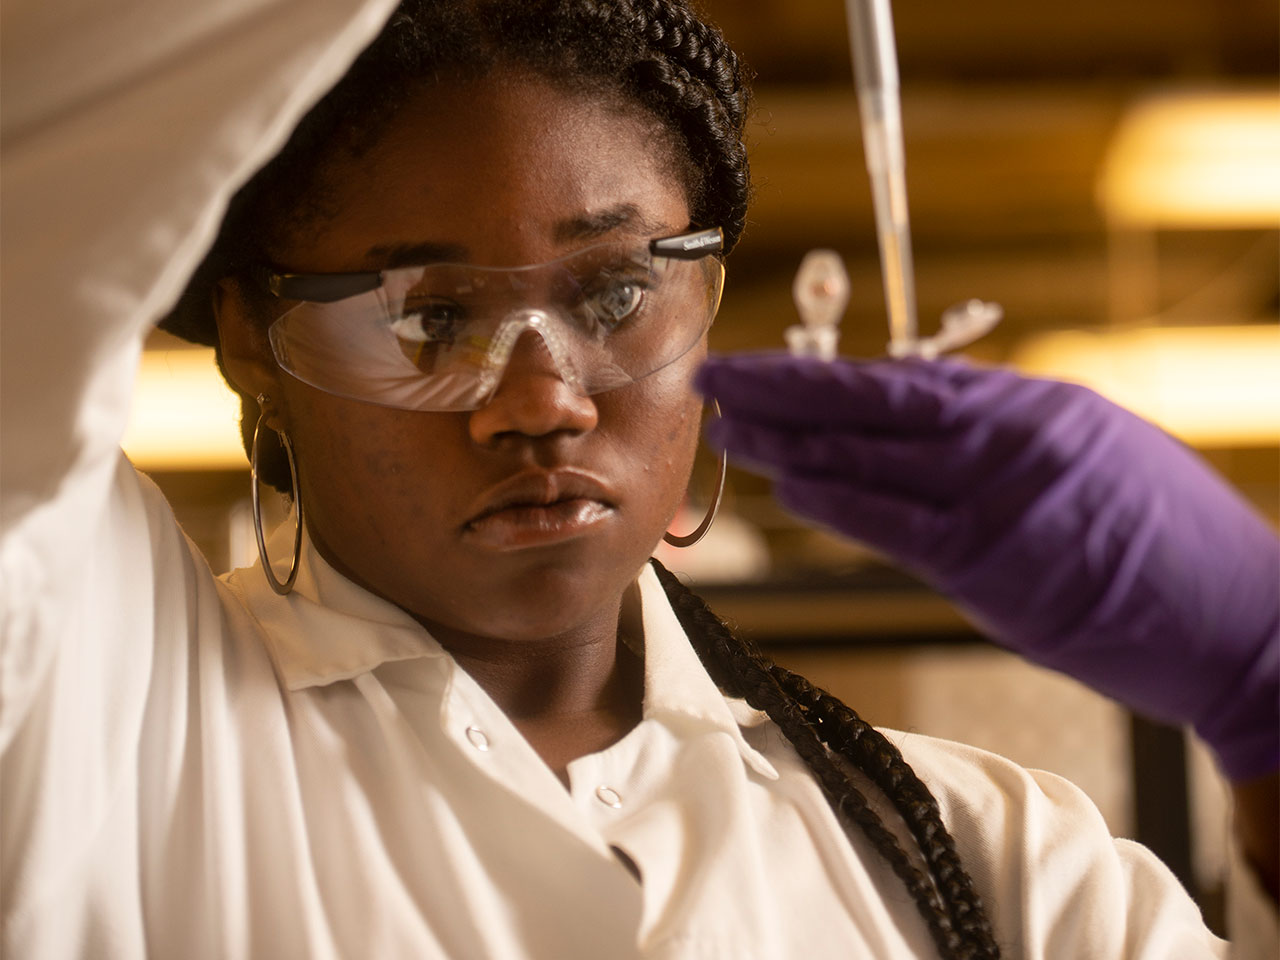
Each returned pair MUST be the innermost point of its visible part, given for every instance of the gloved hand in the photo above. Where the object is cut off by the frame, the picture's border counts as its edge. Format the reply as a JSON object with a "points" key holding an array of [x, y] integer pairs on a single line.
{"points": [[1068, 529]]}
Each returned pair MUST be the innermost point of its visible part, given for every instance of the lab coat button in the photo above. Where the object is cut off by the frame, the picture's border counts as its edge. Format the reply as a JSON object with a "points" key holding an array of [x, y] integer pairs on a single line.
{"points": [[609, 797], [477, 738]]}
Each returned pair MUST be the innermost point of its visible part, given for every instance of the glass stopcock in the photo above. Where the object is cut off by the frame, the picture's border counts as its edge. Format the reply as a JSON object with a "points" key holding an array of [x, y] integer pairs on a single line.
{"points": [[821, 293]]}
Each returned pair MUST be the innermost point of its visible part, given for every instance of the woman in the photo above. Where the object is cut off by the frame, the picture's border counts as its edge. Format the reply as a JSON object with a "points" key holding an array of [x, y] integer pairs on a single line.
{"points": [[289, 764]]}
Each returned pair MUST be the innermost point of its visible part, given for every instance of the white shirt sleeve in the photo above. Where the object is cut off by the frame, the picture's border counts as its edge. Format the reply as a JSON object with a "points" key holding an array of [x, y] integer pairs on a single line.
{"points": [[125, 129]]}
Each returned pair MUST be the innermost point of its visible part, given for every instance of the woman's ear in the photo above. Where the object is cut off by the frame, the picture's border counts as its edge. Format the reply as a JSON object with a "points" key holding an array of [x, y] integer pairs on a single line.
{"points": [[246, 352]]}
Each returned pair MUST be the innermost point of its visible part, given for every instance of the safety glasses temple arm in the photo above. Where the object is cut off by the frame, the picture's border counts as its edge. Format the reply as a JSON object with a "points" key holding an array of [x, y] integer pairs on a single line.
{"points": [[689, 246], [330, 287], [317, 287]]}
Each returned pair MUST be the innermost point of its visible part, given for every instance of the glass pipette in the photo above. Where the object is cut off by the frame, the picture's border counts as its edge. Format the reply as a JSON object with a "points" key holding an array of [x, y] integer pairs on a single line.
{"points": [[875, 69], [818, 291]]}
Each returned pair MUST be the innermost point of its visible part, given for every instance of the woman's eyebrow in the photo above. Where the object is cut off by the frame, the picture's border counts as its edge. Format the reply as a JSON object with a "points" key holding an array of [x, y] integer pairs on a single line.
{"points": [[390, 256], [588, 226]]}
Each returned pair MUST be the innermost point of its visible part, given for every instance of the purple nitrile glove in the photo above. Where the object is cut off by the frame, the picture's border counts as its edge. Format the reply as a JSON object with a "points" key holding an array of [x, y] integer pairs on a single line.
{"points": [[1069, 529]]}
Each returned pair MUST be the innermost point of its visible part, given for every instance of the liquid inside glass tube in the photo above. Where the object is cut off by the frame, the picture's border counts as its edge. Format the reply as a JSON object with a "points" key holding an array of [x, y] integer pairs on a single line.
{"points": [[899, 287]]}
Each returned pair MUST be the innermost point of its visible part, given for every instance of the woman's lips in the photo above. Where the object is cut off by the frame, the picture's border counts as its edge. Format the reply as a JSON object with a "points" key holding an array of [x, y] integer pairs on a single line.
{"points": [[529, 525], [538, 508]]}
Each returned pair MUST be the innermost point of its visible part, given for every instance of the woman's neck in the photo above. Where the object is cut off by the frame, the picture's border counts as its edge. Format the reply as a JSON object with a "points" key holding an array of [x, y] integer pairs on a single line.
{"points": [[569, 695]]}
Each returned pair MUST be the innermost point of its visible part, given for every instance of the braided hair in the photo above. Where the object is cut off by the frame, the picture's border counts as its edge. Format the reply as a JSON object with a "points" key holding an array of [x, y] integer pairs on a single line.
{"points": [[660, 55], [821, 728]]}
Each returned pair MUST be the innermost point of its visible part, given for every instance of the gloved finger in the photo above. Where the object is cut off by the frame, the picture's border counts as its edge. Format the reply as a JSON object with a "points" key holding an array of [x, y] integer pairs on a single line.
{"points": [[932, 468], [905, 531], [884, 395]]}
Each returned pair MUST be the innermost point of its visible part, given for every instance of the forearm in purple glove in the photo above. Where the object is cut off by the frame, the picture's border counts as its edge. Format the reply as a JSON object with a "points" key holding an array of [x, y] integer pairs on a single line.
{"points": [[1069, 529]]}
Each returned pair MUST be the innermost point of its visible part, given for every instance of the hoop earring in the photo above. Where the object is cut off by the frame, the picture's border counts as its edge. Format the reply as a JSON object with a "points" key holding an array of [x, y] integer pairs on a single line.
{"points": [[688, 540], [276, 585]]}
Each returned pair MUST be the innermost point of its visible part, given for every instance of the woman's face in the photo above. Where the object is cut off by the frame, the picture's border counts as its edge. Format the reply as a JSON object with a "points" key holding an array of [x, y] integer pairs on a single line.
{"points": [[505, 171]]}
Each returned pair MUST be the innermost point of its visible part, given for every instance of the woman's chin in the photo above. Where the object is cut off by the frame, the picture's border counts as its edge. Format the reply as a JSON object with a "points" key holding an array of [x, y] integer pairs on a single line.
{"points": [[543, 602]]}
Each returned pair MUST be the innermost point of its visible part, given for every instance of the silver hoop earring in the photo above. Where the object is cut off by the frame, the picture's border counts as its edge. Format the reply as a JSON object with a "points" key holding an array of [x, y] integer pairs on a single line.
{"points": [[688, 540], [276, 585]]}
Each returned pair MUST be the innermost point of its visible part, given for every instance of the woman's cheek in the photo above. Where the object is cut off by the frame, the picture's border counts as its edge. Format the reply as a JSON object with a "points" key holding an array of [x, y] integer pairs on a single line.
{"points": [[670, 426]]}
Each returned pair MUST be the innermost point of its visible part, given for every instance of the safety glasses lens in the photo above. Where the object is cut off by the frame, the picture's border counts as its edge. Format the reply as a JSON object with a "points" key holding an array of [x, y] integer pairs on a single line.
{"points": [[438, 337]]}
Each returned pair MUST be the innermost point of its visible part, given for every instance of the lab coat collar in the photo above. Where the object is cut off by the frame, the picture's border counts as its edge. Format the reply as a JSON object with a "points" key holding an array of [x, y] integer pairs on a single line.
{"points": [[329, 629], [676, 685]]}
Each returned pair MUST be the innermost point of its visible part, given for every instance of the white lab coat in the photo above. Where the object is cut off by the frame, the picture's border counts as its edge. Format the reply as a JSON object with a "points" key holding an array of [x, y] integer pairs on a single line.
{"points": [[194, 767]]}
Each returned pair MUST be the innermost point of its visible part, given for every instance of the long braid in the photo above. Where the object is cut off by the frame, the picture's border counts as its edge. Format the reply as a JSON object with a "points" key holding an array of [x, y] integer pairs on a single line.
{"points": [[883, 763], [809, 718]]}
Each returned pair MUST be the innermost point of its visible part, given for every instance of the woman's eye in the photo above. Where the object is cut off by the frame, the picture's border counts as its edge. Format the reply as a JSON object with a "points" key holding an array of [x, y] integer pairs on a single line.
{"points": [[614, 299], [429, 321]]}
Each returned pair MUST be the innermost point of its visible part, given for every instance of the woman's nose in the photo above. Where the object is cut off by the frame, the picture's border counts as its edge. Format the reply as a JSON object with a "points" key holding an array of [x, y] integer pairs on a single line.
{"points": [[532, 398]]}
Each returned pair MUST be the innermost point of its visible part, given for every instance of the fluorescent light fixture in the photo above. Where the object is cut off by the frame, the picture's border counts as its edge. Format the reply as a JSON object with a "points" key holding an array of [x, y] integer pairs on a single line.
{"points": [[184, 415], [1202, 160], [1211, 386]]}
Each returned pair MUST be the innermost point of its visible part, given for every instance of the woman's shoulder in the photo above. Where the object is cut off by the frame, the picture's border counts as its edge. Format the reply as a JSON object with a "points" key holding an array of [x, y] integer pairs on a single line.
{"points": [[1047, 863], [967, 778]]}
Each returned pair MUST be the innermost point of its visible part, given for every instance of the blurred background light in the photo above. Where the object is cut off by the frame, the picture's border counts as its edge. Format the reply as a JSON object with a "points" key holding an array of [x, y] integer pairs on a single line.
{"points": [[1212, 387], [1209, 159], [184, 415]]}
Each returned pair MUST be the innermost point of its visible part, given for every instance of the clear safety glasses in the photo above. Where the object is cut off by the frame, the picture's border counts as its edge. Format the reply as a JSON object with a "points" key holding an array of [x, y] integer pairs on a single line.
{"points": [[438, 337]]}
